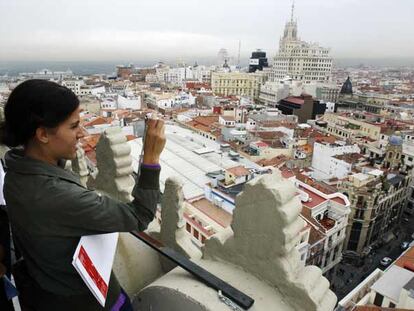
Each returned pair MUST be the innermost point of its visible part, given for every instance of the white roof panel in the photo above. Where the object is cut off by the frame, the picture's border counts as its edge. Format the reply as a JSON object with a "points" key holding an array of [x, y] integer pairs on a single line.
{"points": [[178, 159], [391, 283]]}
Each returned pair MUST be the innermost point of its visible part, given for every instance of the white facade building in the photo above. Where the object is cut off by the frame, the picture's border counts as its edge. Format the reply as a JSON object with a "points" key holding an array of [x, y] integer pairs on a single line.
{"points": [[327, 165], [328, 214], [74, 85], [109, 103], [237, 83], [129, 102], [202, 74], [227, 120], [272, 92], [162, 73], [47, 74], [177, 76], [300, 60], [91, 90]]}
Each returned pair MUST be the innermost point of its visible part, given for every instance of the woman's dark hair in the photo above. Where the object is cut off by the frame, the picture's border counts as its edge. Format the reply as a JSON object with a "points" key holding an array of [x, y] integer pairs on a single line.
{"points": [[32, 104]]}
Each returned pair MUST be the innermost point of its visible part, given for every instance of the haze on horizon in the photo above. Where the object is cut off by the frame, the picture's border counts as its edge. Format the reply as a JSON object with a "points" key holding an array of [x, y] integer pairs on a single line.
{"points": [[102, 30]]}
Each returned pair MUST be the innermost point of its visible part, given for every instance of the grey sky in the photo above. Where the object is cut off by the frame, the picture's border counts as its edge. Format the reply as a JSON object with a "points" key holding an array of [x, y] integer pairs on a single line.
{"points": [[174, 29]]}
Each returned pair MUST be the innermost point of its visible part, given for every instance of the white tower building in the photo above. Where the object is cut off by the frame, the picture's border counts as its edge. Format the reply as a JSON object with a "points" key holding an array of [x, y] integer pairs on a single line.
{"points": [[300, 60]]}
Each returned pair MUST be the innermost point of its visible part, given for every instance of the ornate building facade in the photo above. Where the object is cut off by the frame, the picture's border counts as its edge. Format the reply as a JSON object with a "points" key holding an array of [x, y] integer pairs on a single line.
{"points": [[301, 60]]}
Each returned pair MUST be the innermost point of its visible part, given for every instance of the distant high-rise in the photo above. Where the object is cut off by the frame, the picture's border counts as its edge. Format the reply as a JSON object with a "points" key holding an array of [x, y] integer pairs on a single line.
{"points": [[300, 60], [258, 61]]}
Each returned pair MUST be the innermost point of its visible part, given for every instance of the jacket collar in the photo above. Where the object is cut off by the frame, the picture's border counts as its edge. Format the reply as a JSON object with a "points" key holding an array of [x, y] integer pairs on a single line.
{"points": [[17, 162]]}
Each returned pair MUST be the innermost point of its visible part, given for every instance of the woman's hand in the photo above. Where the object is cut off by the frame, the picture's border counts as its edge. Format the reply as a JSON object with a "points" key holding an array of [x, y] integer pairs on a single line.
{"points": [[154, 141]]}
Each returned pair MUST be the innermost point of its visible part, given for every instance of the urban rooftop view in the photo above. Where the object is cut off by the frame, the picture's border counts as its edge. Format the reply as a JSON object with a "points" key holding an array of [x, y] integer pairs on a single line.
{"points": [[286, 173]]}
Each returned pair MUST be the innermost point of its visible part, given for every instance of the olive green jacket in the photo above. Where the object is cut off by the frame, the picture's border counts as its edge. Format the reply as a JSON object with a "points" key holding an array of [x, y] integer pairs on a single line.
{"points": [[50, 210]]}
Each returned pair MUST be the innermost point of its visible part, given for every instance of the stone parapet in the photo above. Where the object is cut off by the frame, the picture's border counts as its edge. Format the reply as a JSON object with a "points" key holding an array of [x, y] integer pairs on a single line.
{"points": [[257, 254]]}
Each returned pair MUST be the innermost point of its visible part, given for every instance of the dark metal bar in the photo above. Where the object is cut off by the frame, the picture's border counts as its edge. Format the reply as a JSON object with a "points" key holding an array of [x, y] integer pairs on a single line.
{"points": [[203, 275]]}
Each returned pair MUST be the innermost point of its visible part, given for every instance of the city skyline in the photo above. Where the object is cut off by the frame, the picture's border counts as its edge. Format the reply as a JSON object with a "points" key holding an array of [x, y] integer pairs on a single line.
{"points": [[163, 29]]}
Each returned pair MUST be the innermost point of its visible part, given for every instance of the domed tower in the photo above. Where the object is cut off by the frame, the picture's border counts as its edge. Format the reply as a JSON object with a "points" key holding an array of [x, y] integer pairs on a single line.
{"points": [[226, 67], [394, 152], [347, 88]]}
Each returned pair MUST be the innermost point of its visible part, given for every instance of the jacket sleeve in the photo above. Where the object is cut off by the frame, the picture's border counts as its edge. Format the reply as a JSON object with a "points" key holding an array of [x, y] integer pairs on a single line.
{"points": [[85, 212]]}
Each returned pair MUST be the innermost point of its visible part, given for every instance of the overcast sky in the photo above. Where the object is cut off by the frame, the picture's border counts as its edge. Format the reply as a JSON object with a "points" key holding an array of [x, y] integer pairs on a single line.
{"points": [[72, 30]]}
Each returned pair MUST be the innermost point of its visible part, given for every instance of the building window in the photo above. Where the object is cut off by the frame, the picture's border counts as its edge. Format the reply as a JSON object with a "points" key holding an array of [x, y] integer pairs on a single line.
{"points": [[378, 300], [188, 227], [392, 305], [196, 234], [354, 236]]}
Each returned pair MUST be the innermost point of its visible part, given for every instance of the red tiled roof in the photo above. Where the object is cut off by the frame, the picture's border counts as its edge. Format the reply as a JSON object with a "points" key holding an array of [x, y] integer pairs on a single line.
{"points": [[350, 157], [322, 187], [406, 258], [315, 199], [276, 161], [327, 223], [326, 139], [316, 233], [98, 121], [206, 120], [198, 126], [295, 100], [261, 144], [306, 148], [130, 137], [287, 173], [268, 134], [239, 171], [197, 85], [89, 142]]}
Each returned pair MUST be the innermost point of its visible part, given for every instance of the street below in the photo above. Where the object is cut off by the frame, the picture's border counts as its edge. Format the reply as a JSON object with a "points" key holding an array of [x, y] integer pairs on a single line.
{"points": [[348, 276]]}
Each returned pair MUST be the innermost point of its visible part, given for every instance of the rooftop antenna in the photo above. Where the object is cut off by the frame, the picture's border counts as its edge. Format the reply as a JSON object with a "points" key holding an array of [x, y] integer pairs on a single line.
{"points": [[293, 11]]}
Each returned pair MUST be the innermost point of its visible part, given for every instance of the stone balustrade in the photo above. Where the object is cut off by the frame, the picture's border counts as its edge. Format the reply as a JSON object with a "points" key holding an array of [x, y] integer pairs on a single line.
{"points": [[256, 254]]}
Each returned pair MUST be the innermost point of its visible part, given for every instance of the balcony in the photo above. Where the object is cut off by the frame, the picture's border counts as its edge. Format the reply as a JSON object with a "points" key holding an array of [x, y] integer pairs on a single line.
{"points": [[327, 223], [257, 254]]}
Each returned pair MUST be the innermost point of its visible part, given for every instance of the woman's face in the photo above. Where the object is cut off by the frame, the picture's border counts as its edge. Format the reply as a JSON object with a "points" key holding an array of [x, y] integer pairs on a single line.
{"points": [[64, 138]]}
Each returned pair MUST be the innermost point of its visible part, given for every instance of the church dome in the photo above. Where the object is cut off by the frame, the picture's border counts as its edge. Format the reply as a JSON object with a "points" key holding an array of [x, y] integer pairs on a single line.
{"points": [[395, 140], [347, 87]]}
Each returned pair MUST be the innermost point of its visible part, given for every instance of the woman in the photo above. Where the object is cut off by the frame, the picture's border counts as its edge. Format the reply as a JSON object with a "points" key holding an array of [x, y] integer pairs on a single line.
{"points": [[49, 209]]}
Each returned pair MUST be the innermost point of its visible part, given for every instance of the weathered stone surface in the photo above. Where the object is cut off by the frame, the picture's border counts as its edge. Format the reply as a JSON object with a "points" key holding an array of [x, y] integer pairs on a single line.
{"points": [[173, 232], [80, 167], [177, 289], [266, 246], [257, 254], [136, 265], [114, 165]]}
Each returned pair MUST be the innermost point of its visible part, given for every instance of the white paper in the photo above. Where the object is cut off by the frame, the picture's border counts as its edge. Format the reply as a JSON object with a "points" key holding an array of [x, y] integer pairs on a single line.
{"points": [[96, 253], [2, 201]]}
